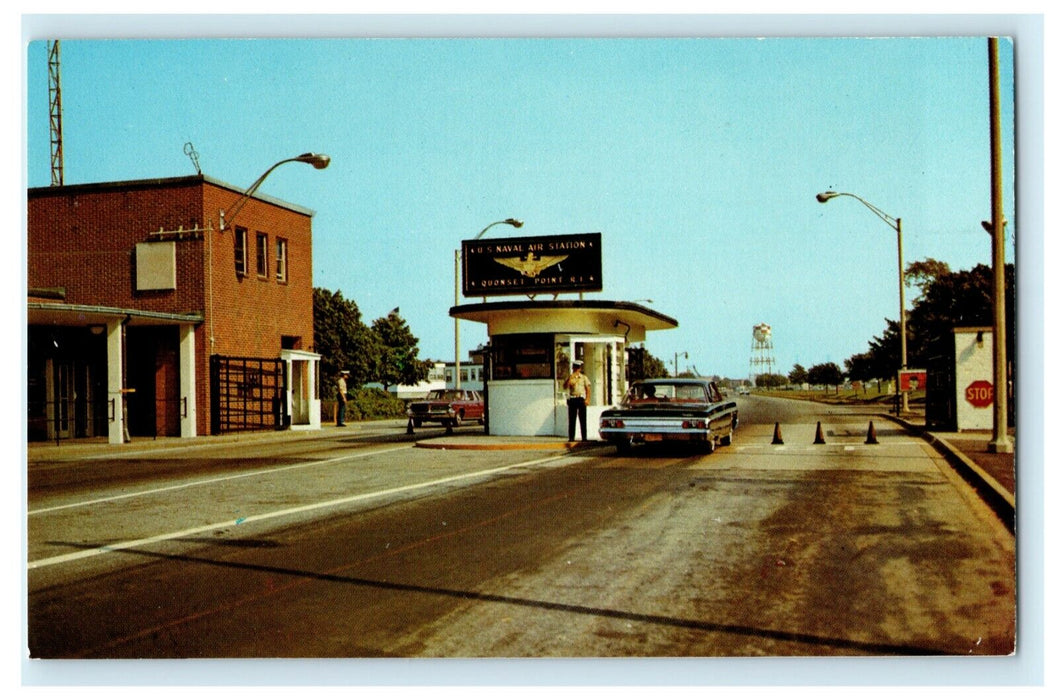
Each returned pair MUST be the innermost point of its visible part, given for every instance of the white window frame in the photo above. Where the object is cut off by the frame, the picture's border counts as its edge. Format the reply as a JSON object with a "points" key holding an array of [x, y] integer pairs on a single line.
{"points": [[262, 255], [240, 251], [282, 246]]}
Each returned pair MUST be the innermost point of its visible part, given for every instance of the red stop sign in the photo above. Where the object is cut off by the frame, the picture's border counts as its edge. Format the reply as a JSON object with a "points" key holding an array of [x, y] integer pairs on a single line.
{"points": [[979, 393]]}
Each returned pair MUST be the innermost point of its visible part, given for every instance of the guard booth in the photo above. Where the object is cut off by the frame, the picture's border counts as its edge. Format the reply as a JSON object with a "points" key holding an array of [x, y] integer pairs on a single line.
{"points": [[960, 395], [532, 346]]}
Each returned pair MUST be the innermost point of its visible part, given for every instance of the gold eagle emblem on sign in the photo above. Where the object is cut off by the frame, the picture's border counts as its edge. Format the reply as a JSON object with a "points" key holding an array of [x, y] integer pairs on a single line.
{"points": [[532, 265]]}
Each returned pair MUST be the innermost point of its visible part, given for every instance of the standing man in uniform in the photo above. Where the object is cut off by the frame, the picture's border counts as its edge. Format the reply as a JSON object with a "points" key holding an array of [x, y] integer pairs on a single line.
{"points": [[579, 388], [343, 396]]}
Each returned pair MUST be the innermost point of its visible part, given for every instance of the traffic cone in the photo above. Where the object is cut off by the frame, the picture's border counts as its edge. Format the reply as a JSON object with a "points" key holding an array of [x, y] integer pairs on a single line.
{"points": [[819, 435], [411, 430], [872, 439], [776, 438]]}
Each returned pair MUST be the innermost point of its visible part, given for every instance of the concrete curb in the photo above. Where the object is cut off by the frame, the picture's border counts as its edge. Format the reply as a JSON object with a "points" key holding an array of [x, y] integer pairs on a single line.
{"points": [[456, 443]]}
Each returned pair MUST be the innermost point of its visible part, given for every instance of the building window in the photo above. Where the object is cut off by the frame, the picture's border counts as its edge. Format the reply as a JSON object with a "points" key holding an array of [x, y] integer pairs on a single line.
{"points": [[523, 356], [281, 259], [262, 254], [240, 251]]}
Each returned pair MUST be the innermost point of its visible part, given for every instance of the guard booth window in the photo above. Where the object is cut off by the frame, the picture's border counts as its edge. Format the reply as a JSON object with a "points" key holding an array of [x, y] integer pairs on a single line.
{"points": [[523, 356]]}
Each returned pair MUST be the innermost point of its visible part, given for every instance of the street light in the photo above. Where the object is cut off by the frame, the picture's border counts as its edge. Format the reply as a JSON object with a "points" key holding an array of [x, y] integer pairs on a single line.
{"points": [[676, 363], [316, 160], [516, 223], [823, 198]]}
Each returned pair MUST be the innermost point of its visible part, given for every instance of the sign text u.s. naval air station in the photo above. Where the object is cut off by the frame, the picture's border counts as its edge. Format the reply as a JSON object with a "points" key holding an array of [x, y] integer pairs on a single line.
{"points": [[533, 265]]}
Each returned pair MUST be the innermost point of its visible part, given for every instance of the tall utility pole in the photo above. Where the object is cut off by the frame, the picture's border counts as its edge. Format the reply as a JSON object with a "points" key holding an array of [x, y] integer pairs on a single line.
{"points": [[1000, 442], [55, 120]]}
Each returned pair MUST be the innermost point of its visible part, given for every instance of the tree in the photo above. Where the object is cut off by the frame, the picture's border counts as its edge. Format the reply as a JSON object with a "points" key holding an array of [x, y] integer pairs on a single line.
{"points": [[643, 365], [342, 339], [827, 374], [397, 361], [864, 368], [923, 273], [962, 298], [769, 381], [948, 300], [798, 375]]}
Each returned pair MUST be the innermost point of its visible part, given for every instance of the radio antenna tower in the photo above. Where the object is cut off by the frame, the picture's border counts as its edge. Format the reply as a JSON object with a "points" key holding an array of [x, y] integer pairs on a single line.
{"points": [[762, 353], [55, 120]]}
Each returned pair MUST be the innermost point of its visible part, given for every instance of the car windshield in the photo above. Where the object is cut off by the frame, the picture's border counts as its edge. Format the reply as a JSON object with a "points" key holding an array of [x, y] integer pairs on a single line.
{"points": [[651, 393], [445, 395]]}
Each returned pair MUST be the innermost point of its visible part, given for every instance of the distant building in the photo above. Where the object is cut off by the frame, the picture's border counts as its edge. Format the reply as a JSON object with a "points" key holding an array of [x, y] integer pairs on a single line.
{"points": [[434, 380], [471, 376], [146, 320]]}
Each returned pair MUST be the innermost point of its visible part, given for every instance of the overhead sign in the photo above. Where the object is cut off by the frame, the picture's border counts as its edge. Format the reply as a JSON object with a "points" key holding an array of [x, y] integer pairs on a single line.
{"points": [[979, 394], [532, 265]]}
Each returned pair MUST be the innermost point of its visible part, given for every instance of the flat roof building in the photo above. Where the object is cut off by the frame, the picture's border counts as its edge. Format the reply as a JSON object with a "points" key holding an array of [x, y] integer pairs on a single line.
{"points": [[146, 319], [532, 345]]}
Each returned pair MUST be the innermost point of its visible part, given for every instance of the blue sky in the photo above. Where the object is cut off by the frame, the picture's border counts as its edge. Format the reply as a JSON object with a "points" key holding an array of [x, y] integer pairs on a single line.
{"points": [[697, 159]]}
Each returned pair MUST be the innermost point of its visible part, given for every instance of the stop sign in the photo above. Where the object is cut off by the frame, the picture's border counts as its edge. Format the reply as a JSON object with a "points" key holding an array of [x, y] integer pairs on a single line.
{"points": [[979, 393]]}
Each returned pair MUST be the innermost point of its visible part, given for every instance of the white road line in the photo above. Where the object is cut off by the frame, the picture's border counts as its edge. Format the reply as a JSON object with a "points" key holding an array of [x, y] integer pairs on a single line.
{"points": [[118, 546], [214, 480], [63, 459]]}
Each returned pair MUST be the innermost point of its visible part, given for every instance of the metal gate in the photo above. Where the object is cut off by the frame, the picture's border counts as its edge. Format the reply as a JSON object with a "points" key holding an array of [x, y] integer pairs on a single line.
{"points": [[247, 393]]}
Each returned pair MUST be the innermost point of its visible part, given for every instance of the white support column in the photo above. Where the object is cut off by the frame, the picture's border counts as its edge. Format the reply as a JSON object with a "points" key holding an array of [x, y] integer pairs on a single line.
{"points": [[313, 393], [115, 396], [188, 422]]}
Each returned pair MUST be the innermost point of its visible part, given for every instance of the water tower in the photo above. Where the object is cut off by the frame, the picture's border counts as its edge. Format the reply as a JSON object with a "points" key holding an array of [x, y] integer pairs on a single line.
{"points": [[762, 353]]}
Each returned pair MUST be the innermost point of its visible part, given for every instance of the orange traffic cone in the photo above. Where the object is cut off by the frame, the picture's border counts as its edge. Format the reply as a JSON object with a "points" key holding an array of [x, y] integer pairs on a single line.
{"points": [[776, 438], [872, 439], [819, 435]]}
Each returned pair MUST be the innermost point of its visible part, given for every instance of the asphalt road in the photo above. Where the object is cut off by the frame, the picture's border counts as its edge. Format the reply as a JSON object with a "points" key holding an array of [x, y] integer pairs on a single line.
{"points": [[355, 543]]}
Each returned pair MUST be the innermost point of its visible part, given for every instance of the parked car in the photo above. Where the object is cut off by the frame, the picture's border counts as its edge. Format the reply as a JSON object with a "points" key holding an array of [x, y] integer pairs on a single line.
{"points": [[449, 407], [671, 410]]}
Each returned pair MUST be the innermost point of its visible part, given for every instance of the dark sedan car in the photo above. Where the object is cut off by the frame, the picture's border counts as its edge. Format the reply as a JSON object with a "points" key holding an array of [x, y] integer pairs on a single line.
{"points": [[671, 410], [449, 407]]}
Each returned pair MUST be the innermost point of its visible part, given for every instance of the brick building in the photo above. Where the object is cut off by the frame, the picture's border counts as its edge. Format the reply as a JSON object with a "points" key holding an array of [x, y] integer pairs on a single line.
{"points": [[145, 318]]}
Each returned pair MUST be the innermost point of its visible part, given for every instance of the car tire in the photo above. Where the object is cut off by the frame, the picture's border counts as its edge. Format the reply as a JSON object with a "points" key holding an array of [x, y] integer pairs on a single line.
{"points": [[417, 422], [458, 420], [708, 447], [623, 446], [728, 439]]}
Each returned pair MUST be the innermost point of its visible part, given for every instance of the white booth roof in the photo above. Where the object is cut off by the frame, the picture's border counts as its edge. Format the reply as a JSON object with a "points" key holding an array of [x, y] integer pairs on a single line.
{"points": [[566, 316]]}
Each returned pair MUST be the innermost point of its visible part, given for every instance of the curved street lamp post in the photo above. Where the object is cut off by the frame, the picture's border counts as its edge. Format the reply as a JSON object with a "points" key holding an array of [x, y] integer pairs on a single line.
{"points": [[316, 160], [895, 224], [509, 222]]}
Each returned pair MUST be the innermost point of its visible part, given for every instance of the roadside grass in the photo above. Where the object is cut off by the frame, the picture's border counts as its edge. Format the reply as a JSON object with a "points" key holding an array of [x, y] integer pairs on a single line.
{"points": [[843, 397]]}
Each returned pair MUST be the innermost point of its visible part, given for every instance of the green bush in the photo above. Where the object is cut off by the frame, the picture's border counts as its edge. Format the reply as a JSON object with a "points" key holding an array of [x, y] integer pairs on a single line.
{"points": [[364, 404], [367, 404]]}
